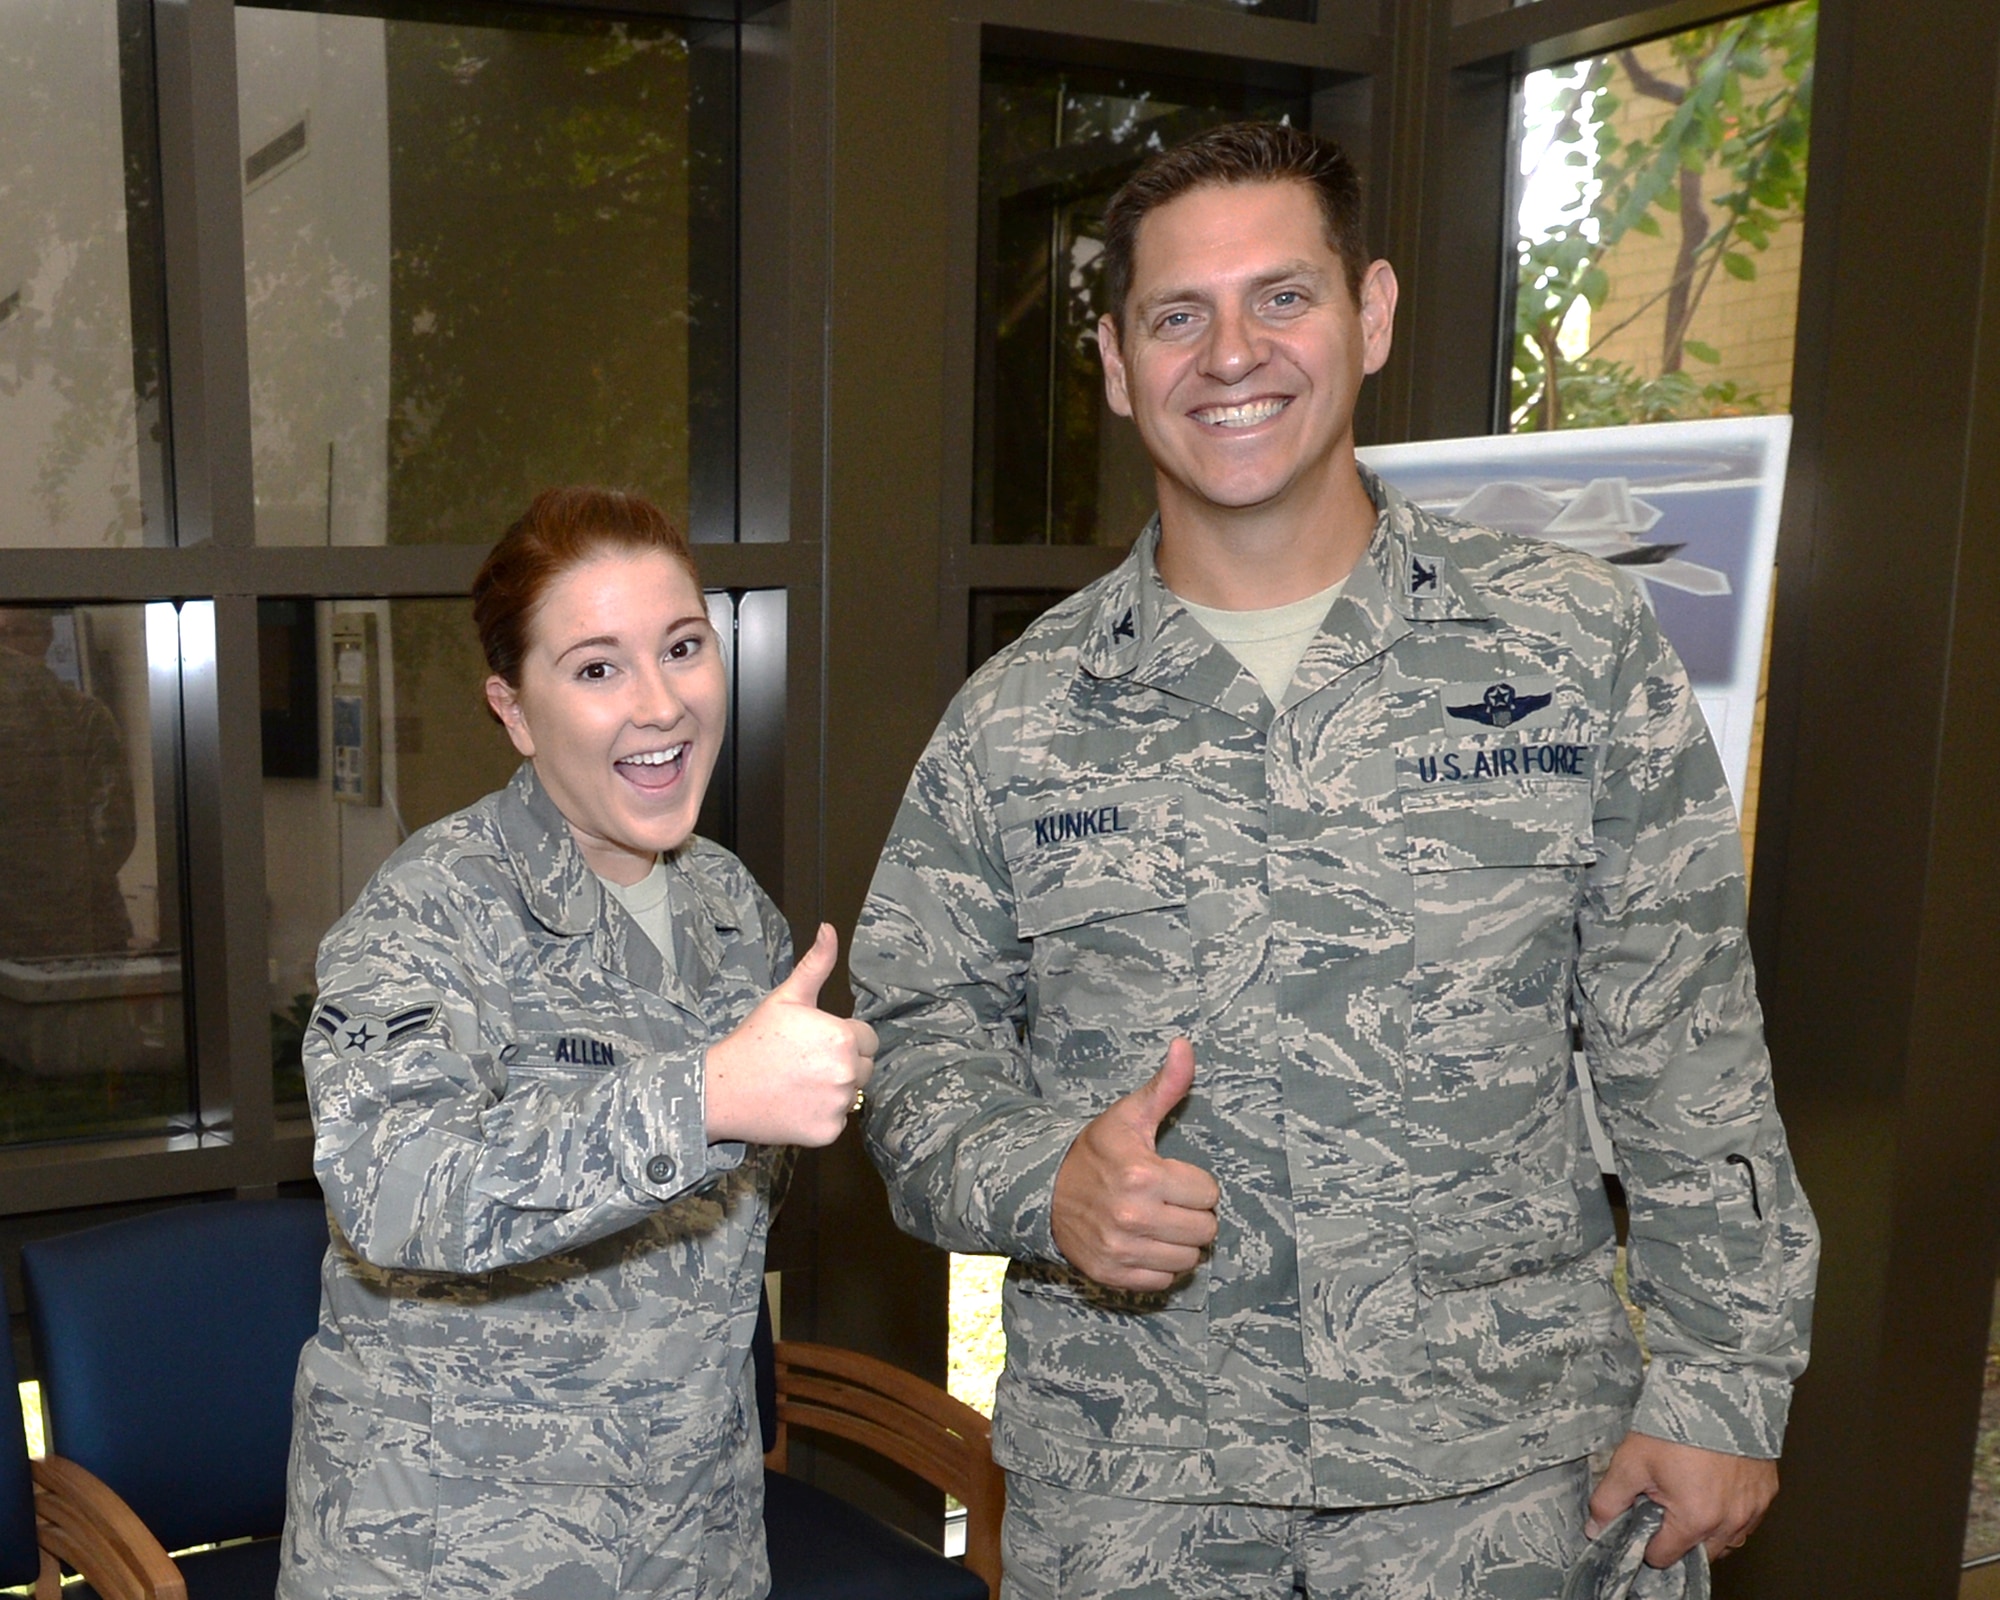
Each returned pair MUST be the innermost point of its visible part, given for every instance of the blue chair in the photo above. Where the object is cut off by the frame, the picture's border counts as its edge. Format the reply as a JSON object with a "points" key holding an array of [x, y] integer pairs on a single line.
{"points": [[168, 1345], [821, 1547], [20, 1553]]}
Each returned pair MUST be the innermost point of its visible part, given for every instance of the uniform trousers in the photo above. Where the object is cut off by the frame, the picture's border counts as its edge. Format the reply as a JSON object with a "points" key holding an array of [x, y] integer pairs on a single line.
{"points": [[1515, 1541]]}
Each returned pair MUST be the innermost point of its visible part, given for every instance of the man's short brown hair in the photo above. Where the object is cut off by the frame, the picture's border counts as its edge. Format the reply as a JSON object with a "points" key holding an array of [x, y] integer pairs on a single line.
{"points": [[1237, 152]]}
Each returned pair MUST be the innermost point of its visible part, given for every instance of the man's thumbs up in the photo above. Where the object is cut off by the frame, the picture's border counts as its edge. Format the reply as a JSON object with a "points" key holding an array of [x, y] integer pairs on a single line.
{"points": [[790, 1073], [1123, 1214], [1154, 1100]]}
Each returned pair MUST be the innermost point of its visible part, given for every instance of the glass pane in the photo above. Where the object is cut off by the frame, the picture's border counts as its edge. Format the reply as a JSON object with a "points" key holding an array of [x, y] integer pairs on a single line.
{"points": [[79, 277], [1000, 616], [1663, 188], [482, 260], [92, 1037], [1053, 465], [381, 727], [975, 1343]]}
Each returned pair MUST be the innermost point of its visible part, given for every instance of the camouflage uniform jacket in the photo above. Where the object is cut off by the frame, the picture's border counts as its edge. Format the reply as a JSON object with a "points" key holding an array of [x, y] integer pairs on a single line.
{"points": [[1487, 807], [532, 1371]]}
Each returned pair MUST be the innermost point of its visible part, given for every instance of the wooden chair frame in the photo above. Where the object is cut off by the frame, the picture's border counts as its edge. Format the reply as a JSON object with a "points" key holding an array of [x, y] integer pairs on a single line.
{"points": [[81, 1521], [904, 1419]]}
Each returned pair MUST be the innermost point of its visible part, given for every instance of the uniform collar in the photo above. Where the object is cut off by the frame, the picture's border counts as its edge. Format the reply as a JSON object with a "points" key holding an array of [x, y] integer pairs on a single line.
{"points": [[1140, 628], [555, 880], [568, 898], [1412, 562]]}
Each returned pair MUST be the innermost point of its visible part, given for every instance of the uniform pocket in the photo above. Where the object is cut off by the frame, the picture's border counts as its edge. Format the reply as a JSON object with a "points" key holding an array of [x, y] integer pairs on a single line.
{"points": [[1456, 821], [532, 1499], [1496, 867], [1528, 1232], [1096, 858], [1100, 894], [1058, 1382]]}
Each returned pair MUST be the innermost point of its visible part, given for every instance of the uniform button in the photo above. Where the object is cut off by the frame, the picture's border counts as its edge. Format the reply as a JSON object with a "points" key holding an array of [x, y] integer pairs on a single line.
{"points": [[660, 1169]]}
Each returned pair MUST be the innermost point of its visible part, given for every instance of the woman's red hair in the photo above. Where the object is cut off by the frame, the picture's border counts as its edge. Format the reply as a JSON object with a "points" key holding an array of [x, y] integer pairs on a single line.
{"points": [[561, 529]]}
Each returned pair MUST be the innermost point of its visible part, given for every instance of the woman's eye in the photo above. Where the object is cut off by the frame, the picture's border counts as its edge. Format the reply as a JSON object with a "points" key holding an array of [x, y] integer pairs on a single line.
{"points": [[681, 649], [594, 671]]}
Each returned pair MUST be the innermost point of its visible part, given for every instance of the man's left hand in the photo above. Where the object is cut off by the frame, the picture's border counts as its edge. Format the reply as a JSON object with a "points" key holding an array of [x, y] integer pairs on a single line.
{"points": [[1710, 1498]]}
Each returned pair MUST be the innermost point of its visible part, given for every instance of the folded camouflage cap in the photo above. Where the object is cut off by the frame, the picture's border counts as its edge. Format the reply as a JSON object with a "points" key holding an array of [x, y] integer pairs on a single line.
{"points": [[1613, 1566]]}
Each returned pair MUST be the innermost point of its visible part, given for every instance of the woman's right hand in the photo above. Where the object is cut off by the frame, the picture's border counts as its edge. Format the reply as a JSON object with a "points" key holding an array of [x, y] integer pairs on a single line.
{"points": [[790, 1073]]}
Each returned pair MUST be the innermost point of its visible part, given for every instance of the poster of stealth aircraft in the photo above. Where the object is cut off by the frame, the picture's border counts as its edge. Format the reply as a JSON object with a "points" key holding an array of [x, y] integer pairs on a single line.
{"points": [[1690, 509]]}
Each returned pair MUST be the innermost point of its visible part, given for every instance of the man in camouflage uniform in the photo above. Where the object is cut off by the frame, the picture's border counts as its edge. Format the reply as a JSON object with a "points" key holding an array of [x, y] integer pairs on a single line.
{"points": [[1229, 990], [532, 1375]]}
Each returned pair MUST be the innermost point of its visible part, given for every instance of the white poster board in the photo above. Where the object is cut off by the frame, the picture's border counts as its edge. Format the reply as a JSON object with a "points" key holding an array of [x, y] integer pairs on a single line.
{"points": [[1688, 508]]}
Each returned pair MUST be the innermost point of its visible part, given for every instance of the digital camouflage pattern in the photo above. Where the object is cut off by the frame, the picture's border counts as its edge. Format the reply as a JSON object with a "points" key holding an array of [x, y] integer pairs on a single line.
{"points": [[532, 1375], [1514, 1542], [1487, 807], [1614, 1567]]}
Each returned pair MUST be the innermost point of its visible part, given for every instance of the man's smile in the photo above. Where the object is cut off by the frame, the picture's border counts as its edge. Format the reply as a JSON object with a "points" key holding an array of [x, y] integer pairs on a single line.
{"points": [[1246, 414]]}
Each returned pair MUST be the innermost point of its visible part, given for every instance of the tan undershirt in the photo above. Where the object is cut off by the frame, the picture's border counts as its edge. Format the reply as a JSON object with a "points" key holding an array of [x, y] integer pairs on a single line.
{"points": [[1270, 643], [647, 901]]}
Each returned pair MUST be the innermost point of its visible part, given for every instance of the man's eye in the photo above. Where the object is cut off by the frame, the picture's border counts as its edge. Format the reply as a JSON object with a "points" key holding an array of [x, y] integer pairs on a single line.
{"points": [[1286, 298], [1176, 319]]}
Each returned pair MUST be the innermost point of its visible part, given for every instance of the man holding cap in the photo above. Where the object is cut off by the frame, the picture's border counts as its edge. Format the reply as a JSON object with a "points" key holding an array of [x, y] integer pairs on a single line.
{"points": [[1226, 957]]}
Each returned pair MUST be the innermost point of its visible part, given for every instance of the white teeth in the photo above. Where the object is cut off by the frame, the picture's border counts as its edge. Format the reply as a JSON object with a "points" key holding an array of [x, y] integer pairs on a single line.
{"points": [[656, 758], [1247, 415]]}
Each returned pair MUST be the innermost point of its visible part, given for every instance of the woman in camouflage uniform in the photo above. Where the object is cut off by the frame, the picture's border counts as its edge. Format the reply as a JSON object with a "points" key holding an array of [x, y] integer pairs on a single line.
{"points": [[555, 1059]]}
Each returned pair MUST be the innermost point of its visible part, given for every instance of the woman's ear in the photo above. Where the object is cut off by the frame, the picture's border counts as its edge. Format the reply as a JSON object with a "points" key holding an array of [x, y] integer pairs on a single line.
{"points": [[506, 705]]}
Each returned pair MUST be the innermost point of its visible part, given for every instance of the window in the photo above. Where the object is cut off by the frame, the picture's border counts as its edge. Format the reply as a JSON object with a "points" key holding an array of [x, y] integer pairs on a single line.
{"points": [[80, 397], [92, 1035], [481, 260], [1658, 253], [479, 254], [1055, 466]]}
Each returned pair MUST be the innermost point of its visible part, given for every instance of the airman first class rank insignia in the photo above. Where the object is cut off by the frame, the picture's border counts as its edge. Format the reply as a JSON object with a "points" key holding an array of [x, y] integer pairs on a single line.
{"points": [[360, 1035]]}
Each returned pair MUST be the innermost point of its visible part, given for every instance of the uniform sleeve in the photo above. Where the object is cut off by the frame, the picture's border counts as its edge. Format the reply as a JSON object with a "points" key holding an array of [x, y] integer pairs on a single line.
{"points": [[431, 1154], [968, 1148], [1723, 1247]]}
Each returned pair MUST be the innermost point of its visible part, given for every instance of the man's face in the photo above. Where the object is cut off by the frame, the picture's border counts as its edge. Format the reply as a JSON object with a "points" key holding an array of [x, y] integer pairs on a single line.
{"points": [[1243, 349]]}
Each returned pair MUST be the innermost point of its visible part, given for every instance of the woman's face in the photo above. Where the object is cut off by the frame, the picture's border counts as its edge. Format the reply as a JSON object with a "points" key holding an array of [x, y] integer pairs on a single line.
{"points": [[621, 706]]}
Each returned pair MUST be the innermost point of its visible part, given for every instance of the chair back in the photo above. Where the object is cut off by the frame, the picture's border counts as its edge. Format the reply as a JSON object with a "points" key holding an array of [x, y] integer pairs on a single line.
{"points": [[168, 1346], [19, 1559]]}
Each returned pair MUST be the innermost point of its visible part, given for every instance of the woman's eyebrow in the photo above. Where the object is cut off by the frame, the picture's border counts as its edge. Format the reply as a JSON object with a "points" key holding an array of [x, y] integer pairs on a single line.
{"points": [[596, 641]]}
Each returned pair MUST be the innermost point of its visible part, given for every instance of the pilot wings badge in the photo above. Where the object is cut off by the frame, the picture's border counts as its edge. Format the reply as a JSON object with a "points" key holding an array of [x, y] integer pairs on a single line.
{"points": [[1501, 707]]}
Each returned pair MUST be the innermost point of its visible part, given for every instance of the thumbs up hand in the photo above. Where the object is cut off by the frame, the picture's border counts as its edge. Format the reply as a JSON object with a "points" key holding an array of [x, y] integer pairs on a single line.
{"points": [[1123, 1214], [790, 1073]]}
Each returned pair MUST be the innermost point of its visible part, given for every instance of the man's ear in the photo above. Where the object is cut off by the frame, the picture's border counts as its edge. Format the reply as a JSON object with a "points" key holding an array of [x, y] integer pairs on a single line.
{"points": [[1116, 394], [1378, 314], [506, 705]]}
